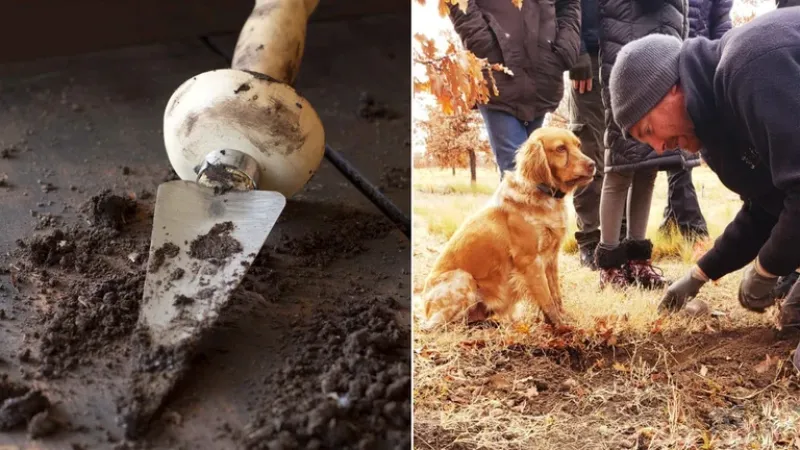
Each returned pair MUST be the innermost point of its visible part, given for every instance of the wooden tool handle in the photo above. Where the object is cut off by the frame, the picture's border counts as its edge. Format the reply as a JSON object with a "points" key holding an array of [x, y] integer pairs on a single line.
{"points": [[273, 38]]}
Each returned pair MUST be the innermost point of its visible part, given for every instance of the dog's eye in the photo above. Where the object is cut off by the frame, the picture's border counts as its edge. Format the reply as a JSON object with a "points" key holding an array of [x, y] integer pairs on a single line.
{"points": [[561, 148]]}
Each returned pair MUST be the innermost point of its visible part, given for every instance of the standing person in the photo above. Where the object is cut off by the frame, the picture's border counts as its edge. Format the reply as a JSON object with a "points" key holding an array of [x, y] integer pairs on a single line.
{"points": [[586, 120], [710, 19], [733, 100], [538, 43], [631, 167]]}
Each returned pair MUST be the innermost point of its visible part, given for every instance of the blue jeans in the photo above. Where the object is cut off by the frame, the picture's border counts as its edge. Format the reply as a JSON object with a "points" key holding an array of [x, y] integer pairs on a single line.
{"points": [[506, 135]]}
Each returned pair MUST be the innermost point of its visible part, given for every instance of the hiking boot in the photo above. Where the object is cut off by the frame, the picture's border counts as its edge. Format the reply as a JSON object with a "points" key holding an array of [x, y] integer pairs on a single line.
{"points": [[781, 289], [643, 273], [587, 256], [616, 277], [613, 267], [641, 270], [789, 317]]}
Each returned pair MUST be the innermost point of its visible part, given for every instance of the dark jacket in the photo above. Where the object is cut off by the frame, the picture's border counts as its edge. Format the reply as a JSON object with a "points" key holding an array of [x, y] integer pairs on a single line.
{"points": [[741, 94], [709, 18], [538, 44], [622, 21], [590, 41]]}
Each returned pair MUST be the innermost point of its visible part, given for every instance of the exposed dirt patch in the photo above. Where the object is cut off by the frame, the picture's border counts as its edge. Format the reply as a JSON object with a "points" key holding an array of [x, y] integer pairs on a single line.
{"points": [[607, 393]]}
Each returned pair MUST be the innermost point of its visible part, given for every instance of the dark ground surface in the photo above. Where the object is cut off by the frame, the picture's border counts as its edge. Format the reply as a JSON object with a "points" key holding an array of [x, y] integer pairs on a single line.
{"points": [[313, 352]]}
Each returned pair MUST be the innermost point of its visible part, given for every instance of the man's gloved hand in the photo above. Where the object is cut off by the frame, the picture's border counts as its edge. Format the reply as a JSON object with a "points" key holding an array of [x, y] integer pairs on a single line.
{"points": [[682, 290], [756, 289], [581, 74]]}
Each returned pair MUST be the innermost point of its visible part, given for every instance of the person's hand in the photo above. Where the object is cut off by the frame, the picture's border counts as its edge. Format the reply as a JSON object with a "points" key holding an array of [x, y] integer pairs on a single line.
{"points": [[581, 74], [756, 288], [683, 289], [582, 85]]}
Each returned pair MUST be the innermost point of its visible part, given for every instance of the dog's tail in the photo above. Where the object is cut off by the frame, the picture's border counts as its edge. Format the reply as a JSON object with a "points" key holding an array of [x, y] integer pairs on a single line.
{"points": [[451, 296]]}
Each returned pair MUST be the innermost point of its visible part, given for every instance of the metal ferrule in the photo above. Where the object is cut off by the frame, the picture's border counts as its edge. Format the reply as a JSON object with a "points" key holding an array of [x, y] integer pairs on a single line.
{"points": [[228, 169]]}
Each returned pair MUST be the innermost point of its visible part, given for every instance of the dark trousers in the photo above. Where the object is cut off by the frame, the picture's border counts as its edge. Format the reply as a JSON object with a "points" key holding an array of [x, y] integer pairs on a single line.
{"points": [[586, 120], [506, 135], [683, 209]]}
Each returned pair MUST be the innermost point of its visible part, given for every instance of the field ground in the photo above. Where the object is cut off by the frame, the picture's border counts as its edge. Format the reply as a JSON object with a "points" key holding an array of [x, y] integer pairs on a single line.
{"points": [[625, 378]]}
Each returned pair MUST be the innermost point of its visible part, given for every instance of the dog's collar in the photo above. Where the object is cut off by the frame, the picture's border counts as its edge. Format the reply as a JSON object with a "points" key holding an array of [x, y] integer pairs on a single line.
{"points": [[551, 191]]}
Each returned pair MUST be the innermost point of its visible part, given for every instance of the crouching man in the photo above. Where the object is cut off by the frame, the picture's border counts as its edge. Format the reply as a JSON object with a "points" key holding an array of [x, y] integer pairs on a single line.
{"points": [[736, 102]]}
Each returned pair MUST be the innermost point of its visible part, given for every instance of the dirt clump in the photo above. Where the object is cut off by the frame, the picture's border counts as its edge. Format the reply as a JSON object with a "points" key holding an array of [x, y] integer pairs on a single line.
{"points": [[84, 287], [347, 386], [168, 250], [110, 210], [19, 404], [216, 245]]}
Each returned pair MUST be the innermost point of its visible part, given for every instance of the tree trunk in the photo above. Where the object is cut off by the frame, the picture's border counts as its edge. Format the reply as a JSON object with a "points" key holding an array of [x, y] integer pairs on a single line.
{"points": [[472, 167]]}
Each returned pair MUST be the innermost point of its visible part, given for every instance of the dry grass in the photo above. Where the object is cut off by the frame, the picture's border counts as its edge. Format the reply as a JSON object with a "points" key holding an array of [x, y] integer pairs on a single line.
{"points": [[624, 378]]}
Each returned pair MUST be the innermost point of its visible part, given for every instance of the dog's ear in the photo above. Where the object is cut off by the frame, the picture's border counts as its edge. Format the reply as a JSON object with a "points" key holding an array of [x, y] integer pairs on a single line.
{"points": [[533, 163]]}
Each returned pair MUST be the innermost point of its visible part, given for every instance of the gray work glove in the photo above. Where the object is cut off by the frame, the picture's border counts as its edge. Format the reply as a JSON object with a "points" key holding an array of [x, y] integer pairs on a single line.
{"points": [[680, 291], [756, 290]]}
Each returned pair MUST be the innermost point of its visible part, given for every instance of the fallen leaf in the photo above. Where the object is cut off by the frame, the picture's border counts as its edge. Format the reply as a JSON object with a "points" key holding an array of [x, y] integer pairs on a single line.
{"points": [[765, 365], [522, 328], [620, 367], [479, 343], [703, 371], [498, 381]]}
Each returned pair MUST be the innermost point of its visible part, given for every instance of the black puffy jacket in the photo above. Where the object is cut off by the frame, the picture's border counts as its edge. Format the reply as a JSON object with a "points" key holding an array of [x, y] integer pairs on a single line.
{"points": [[623, 21], [538, 43]]}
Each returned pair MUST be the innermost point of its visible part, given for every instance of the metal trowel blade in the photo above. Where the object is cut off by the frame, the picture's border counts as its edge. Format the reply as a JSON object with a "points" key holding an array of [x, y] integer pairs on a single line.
{"points": [[201, 247]]}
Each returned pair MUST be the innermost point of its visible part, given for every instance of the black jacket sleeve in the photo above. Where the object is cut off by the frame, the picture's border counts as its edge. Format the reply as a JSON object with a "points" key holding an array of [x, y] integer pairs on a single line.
{"points": [[764, 94], [739, 243], [568, 37], [720, 18], [473, 29]]}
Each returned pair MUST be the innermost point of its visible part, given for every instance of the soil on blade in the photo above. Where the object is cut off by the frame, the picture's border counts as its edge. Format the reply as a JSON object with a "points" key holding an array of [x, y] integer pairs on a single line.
{"points": [[216, 245]]}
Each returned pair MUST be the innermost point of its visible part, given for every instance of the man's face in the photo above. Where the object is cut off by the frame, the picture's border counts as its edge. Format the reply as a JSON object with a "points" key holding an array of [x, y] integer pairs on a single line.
{"points": [[667, 126]]}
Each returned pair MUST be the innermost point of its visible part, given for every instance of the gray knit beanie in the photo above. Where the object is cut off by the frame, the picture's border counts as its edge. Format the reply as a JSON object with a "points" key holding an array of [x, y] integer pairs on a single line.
{"points": [[642, 75]]}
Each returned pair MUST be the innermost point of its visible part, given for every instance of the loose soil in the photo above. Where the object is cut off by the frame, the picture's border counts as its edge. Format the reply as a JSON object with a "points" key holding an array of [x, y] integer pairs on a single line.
{"points": [[717, 380], [346, 381], [21, 407]]}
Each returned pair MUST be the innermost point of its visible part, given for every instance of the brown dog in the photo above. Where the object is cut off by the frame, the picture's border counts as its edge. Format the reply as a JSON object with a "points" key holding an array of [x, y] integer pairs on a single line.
{"points": [[508, 251]]}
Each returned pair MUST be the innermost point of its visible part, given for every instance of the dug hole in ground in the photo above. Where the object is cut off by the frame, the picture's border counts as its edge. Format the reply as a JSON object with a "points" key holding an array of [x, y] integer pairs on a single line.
{"points": [[626, 377]]}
